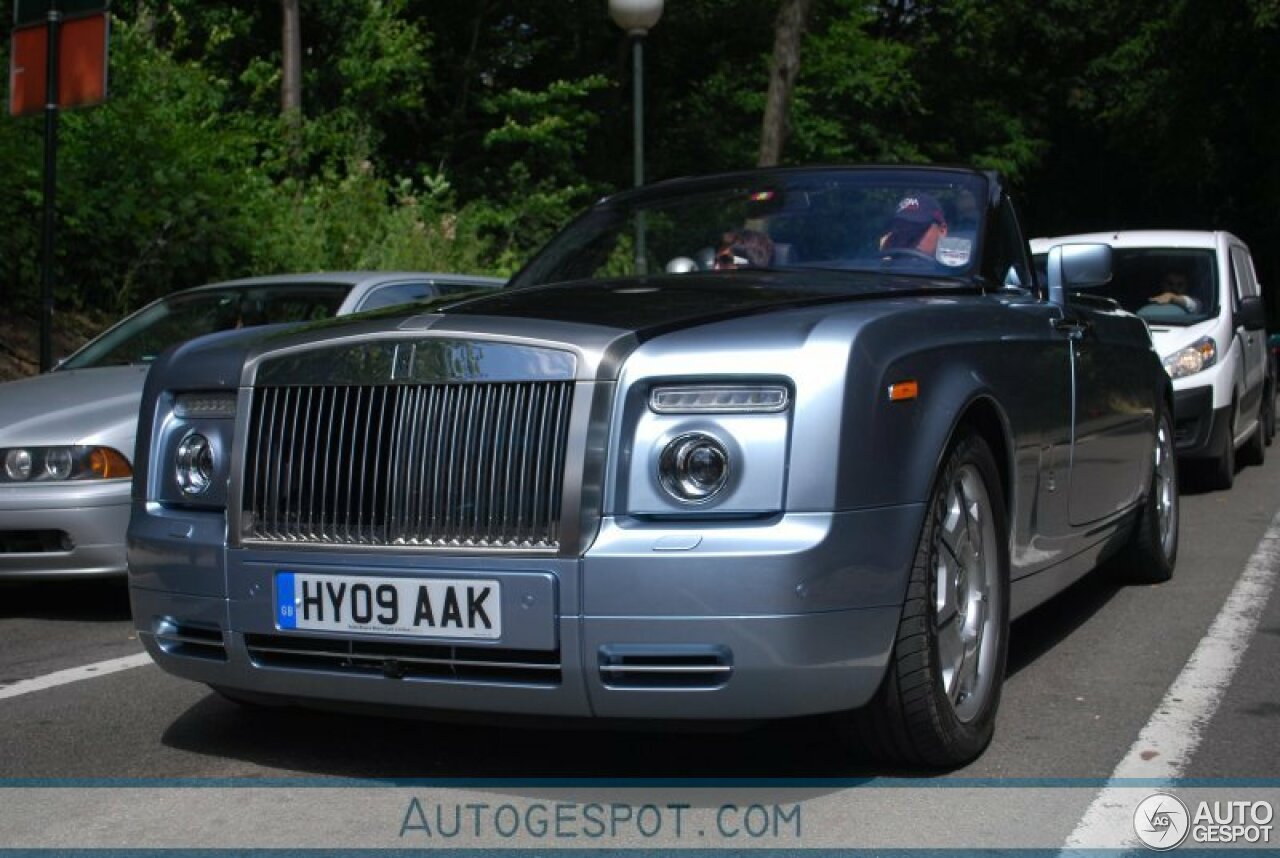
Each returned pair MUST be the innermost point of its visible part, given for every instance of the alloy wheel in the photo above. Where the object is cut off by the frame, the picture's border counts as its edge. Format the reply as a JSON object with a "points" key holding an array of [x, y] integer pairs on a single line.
{"points": [[966, 587]]}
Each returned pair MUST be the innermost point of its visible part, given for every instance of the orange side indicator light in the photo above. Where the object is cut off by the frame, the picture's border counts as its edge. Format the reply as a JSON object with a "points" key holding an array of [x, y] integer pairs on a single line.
{"points": [[904, 390], [108, 464]]}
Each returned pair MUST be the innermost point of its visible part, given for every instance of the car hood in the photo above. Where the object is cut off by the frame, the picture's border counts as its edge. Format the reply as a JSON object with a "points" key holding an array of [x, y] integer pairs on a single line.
{"points": [[654, 305], [1170, 339], [609, 318], [81, 406], [604, 322]]}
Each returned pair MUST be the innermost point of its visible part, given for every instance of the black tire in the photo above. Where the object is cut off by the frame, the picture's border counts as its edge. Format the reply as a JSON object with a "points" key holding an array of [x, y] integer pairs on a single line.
{"points": [[1254, 451], [914, 718], [1220, 472], [1269, 413], [1152, 552]]}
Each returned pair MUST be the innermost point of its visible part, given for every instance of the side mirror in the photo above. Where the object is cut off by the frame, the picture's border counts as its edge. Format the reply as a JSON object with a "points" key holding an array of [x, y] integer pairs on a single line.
{"points": [[1252, 314], [1077, 266]]}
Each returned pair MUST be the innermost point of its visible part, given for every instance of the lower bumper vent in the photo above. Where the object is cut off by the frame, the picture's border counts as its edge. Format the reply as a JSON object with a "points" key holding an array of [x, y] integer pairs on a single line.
{"points": [[190, 641], [406, 660], [1187, 431], [35, 542], [626, 666]]}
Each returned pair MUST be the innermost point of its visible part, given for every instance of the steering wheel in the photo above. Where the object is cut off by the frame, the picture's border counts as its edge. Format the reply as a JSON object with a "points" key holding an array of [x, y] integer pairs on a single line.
{"points": [[1157, 312]]}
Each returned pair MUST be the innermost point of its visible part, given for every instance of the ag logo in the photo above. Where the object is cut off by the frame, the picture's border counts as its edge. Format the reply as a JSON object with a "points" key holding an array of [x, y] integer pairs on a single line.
{"points": [[1161, 821]]}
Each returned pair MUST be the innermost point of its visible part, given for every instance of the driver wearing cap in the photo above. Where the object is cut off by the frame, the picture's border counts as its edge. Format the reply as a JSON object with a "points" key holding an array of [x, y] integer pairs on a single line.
{"points": [[918, 224]]}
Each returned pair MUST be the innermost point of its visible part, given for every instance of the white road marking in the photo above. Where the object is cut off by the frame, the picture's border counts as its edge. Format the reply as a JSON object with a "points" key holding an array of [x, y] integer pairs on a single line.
{"points": [[1166, 743], [74, 674]]}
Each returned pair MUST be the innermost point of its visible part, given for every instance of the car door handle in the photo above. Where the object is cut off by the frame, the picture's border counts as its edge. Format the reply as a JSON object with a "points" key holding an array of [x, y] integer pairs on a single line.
{"points": [[1073, 328]]}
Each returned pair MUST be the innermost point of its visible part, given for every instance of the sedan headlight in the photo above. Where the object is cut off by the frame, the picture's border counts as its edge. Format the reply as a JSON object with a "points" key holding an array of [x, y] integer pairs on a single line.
{"points": [[1197, 357], [59, 464], [190, 453], [18, 465], [194, 465], [694, 467], [708, 447]]}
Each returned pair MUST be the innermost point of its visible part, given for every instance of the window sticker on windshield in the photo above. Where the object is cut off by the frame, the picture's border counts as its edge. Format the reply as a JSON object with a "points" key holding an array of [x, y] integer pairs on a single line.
{"points": [[953, 252]]}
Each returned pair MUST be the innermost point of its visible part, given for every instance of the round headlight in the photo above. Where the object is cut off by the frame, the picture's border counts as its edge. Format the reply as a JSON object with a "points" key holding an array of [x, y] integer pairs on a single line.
{"points": [[194, 462], [694, 468], [57, 463], [18, 465]]}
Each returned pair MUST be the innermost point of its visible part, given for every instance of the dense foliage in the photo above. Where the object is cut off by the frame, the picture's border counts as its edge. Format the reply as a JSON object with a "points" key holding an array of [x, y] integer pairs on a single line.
{"points": [[459, 135]]}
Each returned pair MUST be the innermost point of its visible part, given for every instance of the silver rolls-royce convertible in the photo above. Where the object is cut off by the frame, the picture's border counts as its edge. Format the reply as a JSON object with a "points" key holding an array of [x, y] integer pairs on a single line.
{"points": [[751, 446]]}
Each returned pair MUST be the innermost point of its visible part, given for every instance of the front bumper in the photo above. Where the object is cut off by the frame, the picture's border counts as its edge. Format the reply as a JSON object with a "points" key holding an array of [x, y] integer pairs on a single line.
{"points": [[64, 530], [789, 618], [1199, 430]]}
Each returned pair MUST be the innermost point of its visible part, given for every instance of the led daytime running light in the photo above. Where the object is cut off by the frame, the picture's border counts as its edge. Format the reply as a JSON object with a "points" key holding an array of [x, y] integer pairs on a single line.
{"points": [[188, 405], [719, 399]]}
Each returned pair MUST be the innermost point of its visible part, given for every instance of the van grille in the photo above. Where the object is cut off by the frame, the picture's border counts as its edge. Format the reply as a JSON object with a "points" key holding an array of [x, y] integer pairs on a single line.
{"points": [[427, 464]]}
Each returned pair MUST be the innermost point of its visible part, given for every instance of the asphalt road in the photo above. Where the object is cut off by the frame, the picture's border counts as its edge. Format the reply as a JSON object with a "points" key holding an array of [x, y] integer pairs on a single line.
{"points": [[1087, 671]]}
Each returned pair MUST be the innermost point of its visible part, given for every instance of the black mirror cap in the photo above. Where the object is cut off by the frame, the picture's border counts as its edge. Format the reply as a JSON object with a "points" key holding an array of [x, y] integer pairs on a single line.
{"points": [[1077, 266], [1252, 315]]}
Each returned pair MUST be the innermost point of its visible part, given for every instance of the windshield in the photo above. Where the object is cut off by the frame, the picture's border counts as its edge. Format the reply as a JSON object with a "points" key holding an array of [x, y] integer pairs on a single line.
{"points": [[1165, 286], [924, 222], [186, 315]]}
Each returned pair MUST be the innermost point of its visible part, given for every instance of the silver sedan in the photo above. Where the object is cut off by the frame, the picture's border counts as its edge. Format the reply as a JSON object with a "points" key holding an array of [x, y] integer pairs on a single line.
{"points": [[67, 437]]}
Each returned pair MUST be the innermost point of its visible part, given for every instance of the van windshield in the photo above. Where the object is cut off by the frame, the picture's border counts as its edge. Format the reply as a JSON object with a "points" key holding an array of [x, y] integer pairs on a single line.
{"points": [[1166, 286]]}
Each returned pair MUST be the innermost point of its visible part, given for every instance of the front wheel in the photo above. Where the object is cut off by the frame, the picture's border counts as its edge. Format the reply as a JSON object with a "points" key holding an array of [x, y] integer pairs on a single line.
{"points": [[1269, 413], [1152, 551], [937, 703], [1254, 451]]}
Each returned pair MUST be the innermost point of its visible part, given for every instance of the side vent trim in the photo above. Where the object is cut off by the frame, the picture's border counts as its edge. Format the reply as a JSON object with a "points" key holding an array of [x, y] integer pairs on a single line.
{"points": [[692, 666]]}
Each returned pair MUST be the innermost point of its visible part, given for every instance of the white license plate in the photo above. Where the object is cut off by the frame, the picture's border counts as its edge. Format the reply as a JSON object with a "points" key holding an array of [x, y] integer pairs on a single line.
{"points": [[434, 607]]}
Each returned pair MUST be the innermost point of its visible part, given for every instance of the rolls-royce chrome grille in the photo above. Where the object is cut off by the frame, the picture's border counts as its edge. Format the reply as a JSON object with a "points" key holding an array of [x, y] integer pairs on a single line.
{"points": [[465, 464]]}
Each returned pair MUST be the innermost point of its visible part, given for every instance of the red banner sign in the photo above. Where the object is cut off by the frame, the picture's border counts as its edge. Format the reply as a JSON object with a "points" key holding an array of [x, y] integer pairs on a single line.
{"points": [[82, 64]]}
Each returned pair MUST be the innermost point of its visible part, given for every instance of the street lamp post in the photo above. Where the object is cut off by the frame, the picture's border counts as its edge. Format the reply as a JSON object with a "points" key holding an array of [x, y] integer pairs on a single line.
{"points": [[637, 17]]}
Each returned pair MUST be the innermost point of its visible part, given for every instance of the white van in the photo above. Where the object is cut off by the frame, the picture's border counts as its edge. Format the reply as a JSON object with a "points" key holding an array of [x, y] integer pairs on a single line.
{"points": [[1200, 297]]}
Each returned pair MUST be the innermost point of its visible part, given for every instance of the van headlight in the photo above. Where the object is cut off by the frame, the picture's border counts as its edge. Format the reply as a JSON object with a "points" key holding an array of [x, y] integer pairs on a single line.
{"points": [[1197, 357]]}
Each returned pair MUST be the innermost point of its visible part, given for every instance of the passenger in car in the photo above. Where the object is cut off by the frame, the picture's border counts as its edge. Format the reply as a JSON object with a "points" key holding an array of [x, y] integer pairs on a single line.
{"points": [[1175, 288], [744, 248], [918, 224]]}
